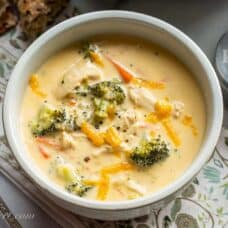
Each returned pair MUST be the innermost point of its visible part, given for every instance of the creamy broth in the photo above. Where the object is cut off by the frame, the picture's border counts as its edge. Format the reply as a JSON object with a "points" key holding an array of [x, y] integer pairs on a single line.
{"points": [[161, 101]]}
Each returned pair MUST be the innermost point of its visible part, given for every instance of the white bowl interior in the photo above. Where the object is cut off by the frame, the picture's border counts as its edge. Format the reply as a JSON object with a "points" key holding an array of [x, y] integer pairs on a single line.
{"points": [[109, 23]]}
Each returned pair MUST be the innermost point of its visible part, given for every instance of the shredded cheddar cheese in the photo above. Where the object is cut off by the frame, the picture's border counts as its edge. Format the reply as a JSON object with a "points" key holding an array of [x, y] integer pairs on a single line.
{"points": [[187, 121], [103, 183], [171, 133], [148, 84], [94, 136], [163, 109], [103, 187], [96, 58], [112, 137], [116, 168], [35, 86]]}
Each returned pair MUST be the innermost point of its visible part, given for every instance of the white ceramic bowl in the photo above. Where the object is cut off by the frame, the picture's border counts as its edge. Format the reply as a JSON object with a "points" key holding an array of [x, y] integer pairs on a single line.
{"points": [[105, 22]]}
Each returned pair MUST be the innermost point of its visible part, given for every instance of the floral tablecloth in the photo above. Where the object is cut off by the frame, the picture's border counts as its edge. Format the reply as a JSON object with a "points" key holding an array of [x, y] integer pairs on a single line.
{"points": [[203, 204]]}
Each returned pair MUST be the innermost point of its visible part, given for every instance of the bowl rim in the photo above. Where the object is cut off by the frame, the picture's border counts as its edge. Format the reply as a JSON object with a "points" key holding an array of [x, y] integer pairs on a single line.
{"points": [[206, 150]]}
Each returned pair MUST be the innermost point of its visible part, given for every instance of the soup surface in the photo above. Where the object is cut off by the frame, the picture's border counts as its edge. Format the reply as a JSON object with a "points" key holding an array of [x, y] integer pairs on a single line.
{"points": [[113, 118]]}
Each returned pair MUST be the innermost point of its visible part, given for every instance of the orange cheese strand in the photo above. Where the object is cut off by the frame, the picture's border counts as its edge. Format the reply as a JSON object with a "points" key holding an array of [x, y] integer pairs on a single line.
{"points": [[91, 182], [171, 133], [152, 118], [103, 187], [96, 58], [95, 137], [163, 109], [187, 121], [35, 86], [116, 168], [112, 137], [104, 182], [148, 84]]}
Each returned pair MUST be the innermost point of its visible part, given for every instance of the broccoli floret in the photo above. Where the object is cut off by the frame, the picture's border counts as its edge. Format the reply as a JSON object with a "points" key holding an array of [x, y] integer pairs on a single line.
{"points": [[149, 152], [51, 120], [86, 49], [108, 90], [74, 182], [78, 188], [47, 121], [100, 108], [82, 90]]}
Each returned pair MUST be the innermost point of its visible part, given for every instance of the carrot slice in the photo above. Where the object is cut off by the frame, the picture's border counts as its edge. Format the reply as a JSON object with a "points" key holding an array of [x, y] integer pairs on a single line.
{"points": [[44, 153], [48, 142], [126, 75]]}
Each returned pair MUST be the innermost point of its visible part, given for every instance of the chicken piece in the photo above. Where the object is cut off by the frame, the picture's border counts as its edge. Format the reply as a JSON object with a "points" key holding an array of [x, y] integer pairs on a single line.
{"points": [[178, 108], [136, 187], [127, 119], [130, 184], [103, 149], [142, 97], [75, 75], [67, 141]]}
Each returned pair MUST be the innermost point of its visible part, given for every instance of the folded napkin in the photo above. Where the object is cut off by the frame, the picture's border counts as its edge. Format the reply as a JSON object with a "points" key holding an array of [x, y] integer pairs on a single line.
{"points": [[202, 204]]}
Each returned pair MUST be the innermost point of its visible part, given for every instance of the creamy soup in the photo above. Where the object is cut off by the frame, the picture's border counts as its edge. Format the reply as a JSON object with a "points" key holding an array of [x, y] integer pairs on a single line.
{"points": [[112, 119]]}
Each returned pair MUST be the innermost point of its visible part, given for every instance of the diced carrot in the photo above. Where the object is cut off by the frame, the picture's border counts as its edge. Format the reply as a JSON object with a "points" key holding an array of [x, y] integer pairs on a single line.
{"points": [[35, 86], [126, 75], [96, 57], [72, 102], [44, 153], [94, 136], [48, 142], [112, 137]]}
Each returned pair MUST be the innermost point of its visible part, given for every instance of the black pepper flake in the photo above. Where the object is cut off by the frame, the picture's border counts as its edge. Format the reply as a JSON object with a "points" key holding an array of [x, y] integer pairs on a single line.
{"points": [[62, 82], [118, 127], [124, 130], [87, 159]]}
